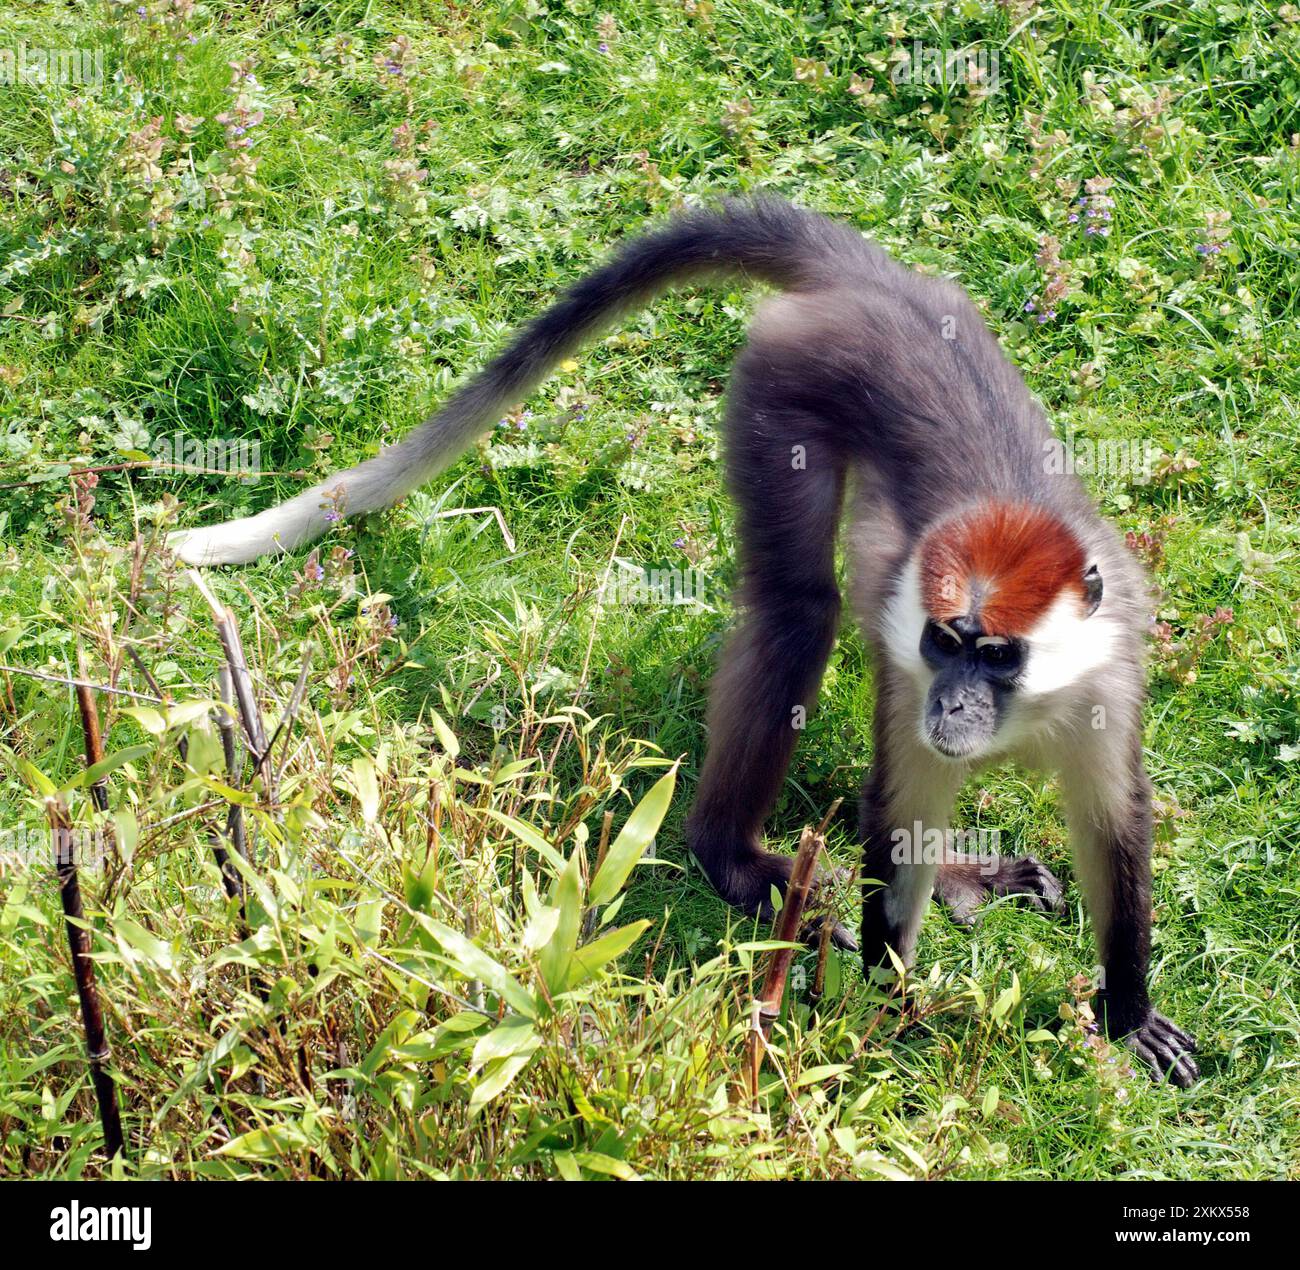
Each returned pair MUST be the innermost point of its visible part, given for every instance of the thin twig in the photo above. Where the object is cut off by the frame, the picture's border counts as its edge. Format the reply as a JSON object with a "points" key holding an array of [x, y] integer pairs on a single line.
{"points": [[291, 713], [78, 683]]}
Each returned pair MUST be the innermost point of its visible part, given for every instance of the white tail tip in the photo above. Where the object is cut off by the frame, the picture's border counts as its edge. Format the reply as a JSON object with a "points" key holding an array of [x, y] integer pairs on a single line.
{"points": [[235, 542]]}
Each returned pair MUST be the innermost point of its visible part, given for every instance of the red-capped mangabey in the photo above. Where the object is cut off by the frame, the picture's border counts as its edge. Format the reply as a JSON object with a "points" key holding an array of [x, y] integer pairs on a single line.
{"points": [[1006, 617]]}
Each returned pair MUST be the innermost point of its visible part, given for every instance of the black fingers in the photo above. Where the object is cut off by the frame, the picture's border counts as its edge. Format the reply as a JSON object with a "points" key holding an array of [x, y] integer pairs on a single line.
{"points": [[1024, 875], [1166, 1049]]}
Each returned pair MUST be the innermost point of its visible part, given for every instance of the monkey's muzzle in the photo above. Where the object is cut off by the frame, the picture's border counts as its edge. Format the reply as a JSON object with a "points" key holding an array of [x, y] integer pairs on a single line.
{"points": [[961, 712]]}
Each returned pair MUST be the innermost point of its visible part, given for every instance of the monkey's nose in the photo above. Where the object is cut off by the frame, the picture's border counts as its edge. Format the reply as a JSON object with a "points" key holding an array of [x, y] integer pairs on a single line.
{"points": [[950, 705]]}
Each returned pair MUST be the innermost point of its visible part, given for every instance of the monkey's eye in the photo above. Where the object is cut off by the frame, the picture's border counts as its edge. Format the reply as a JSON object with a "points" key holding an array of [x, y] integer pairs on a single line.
{"points": [[1001, 656], [944, 639]]}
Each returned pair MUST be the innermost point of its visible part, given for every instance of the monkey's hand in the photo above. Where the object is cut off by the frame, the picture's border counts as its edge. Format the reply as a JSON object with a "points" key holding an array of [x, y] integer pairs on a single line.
{"points": [[962, 886], [746, 881], [1166, 1049]]}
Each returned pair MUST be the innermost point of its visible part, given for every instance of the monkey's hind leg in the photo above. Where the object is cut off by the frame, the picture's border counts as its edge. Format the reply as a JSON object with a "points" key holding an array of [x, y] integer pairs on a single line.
{"points": [[767, 682], [964, 883]]}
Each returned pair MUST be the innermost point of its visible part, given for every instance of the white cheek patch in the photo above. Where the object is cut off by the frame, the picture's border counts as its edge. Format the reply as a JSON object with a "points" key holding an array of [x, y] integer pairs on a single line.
{"points": [[1065, 647], [904, 620]]}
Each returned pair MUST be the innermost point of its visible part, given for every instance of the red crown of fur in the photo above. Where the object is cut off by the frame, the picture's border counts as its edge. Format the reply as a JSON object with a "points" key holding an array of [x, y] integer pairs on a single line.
{"points": [[1002, 562]]}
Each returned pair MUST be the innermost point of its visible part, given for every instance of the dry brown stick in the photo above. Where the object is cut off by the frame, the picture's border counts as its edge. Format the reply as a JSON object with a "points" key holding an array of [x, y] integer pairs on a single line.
{"points": [[589, 919], [91, 733], [828, 817], [786, 930], [83, 972]]}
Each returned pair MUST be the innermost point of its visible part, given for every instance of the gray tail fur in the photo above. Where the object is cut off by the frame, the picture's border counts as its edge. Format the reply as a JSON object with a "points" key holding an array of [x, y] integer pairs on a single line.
{"points": [[768, 240]]}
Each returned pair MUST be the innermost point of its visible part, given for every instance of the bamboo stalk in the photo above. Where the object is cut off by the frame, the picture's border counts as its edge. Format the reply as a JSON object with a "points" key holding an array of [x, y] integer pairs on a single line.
{"points": [[250, 715], [767, 1006], [83, 971], [94, 742], [235, 835]]}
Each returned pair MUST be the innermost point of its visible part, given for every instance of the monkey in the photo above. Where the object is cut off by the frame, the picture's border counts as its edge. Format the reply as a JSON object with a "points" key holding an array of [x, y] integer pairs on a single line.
{"points": [[1005, 617]]}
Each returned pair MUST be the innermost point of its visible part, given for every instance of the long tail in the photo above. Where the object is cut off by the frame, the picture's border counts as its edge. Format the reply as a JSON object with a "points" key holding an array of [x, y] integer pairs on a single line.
{"points": [[769, 240]]}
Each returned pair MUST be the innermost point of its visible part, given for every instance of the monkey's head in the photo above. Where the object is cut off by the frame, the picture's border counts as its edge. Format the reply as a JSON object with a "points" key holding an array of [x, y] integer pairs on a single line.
{"points": [[991, 618]]}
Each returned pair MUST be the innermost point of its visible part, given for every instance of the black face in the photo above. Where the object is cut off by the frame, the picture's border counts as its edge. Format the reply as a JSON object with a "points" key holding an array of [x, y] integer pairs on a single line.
{"points": [[974, 676]]}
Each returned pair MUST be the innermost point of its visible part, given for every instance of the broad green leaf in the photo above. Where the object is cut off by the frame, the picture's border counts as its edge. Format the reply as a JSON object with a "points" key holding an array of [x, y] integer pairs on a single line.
{"points": [[42, 783], [269, 1143], [446, 737], [188, 711], [154, 950], [106, 765], [529, 837], [456, 1033], [126, 832], [419, 886], [367, 788], [887, 1169], [541, 926], [630, 845], [370, 919], [815, 1075], [502, 1072], [241, 797], [469, 960], [1007, 999], [566, 896], [606, 1164], [590, 959], [398, 1031], [150, 720], [514, 1035]]}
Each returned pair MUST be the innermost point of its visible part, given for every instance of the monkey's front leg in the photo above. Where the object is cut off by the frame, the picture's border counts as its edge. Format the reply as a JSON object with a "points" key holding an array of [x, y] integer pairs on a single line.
{"points": [[1111, 831], [762, 693], [905, 814]]}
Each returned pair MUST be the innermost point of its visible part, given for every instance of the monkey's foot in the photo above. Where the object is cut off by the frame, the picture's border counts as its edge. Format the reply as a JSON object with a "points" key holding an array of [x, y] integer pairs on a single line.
{"points": [[1166, 1049], [746, 882], [962, 886]]}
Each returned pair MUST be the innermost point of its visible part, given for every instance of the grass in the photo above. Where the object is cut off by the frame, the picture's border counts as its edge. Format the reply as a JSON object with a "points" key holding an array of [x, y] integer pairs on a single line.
{"points": [[422, 178]]}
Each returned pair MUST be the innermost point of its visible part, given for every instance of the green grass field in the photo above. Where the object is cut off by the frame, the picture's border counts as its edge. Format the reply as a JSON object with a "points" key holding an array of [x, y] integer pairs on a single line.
{"points": [[299, 224]]}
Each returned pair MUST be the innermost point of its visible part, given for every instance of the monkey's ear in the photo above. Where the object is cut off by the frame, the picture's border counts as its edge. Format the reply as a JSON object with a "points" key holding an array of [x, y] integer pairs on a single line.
{"points": [[1091, 590]]}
